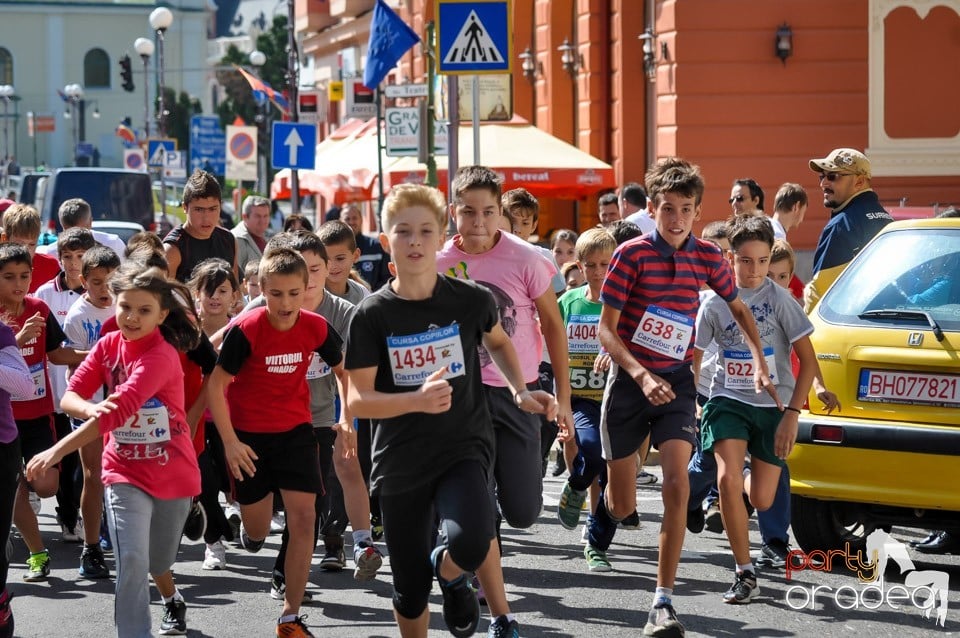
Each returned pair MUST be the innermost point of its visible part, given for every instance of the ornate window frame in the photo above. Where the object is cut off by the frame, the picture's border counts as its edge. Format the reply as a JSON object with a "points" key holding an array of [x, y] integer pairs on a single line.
{"points": [[902, 156]]}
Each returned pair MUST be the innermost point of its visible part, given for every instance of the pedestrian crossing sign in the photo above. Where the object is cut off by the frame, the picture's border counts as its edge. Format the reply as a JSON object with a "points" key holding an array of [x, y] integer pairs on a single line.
{"points": [[474, 36]]}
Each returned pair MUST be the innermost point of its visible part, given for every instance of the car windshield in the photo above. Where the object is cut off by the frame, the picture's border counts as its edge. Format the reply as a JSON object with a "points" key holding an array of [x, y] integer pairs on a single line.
{"points": [[905, 277], [111, 195]]}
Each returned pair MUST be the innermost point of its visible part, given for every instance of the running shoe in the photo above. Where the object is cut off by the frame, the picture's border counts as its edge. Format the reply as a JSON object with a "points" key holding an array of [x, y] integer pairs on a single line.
{"points": [[215, 556], [631, 522], [596, 559], [293, 629], [233, 519], [570, 506], [695, 519], [334, 560], [6, 615], [367, 559], [461, 610], [68, 533], [743, 590], [503, 628], [646, 478], [174, 621], [712, 519], [663, 623], [376, 527], [248, 543], [92, 563], [278, 522], [196, 523], [776, 553], [278, 589], [38, 567]]}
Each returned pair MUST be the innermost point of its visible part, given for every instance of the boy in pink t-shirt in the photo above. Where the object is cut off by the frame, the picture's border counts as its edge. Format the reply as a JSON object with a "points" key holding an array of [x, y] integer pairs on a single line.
{"points": [[520, 280]]}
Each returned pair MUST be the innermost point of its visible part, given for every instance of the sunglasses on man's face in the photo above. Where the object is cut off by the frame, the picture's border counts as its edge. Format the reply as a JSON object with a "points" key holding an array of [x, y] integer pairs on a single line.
{"points": [[832, 177], [738, 199]]}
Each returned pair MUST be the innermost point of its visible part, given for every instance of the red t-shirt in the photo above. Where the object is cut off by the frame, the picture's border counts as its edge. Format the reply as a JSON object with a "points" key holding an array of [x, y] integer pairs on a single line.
{"points": [[269, 391], [34, 353], [796, 288], [45, 268]]}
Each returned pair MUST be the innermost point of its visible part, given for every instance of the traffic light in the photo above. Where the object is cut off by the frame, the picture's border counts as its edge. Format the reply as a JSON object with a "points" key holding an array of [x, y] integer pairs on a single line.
{"points": [[126, 73]]}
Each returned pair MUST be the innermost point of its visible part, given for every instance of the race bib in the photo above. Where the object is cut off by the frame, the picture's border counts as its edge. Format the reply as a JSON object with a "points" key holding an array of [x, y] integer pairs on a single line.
{"points": [[665, 332], [38, 375], [583, 334], [413, 358], [738, 368], [318, 367], [150, 424]]}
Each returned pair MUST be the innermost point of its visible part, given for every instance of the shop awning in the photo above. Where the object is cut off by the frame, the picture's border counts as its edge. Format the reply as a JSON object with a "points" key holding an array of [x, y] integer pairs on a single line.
{"points": [[522, 154]]}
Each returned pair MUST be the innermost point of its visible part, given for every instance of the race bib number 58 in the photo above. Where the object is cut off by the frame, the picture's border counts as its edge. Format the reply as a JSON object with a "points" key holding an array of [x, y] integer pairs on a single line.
{"points": [[664, 332], [415, 357]]}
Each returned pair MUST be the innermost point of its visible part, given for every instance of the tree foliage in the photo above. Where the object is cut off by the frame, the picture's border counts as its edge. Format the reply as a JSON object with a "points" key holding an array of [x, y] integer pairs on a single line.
{"points": [[239, 101]]}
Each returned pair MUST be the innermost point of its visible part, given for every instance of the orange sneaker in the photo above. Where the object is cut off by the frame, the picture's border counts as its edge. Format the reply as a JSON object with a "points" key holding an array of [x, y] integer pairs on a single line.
{"points": [[293, 629]]}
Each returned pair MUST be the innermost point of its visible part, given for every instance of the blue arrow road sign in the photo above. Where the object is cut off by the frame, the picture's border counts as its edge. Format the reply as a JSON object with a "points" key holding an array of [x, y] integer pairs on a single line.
{"points": [[155, 156], [474, 37], [294, 145], [208, 144]]}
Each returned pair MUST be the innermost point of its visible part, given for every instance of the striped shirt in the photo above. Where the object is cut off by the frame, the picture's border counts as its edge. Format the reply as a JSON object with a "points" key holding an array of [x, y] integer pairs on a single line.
{"points": [[647, 272]]}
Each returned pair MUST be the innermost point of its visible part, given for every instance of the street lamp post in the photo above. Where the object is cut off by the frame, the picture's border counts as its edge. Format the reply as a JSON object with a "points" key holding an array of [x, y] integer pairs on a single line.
{"points": [[144, 48], [258, 59], [160, 20], [74, 93], [6, 94]]}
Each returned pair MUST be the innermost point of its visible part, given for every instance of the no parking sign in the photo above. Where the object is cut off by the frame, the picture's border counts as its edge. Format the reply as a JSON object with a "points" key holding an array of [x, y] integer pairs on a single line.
{"points": [[134, 159], [242, 152]]}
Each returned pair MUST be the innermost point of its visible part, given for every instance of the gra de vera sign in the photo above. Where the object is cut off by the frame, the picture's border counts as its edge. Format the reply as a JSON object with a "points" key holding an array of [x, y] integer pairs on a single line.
{"points": [[403, 132]]}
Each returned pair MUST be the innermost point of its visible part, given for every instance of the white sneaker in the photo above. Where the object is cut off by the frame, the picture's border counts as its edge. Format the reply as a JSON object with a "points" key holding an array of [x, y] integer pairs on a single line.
{"points": [[232, 512], [74, 535], [215, 556], [585, 536], [34, 502], [277, 523]]}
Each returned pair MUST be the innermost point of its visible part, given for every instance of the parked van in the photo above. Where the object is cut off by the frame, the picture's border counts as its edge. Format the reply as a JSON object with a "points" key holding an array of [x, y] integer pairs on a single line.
{"points": [[113, 194]]}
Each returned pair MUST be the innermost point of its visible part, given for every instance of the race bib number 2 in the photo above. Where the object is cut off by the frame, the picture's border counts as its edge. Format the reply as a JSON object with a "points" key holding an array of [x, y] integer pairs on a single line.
{"points": [[150, 424], [665, 332], [413, 358]]}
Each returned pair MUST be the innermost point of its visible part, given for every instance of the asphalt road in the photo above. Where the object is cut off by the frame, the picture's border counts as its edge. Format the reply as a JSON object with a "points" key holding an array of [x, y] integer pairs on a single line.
{"points": [[550, 590]]}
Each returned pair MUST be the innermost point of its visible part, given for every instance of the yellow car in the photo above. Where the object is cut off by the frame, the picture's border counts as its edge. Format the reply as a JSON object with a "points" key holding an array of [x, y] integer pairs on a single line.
{"points": [[887, 337]]}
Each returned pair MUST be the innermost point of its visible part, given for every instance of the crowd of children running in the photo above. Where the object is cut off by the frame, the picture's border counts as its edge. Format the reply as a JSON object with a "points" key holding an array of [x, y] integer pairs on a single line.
{"points": [[196, 396]]}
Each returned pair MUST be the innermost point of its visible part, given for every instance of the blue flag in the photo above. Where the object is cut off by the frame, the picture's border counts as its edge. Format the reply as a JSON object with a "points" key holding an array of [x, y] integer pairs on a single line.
{"points": [[390, 38]]}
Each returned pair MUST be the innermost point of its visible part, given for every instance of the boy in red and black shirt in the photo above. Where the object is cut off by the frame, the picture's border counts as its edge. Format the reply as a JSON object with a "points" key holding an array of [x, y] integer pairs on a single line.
{"points": [[39, 338], [267, 433], [650, 299]]}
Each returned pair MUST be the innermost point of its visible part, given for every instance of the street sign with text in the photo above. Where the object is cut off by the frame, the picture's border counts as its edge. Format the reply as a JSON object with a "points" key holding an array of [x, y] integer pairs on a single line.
{"points": [[208, 144]]}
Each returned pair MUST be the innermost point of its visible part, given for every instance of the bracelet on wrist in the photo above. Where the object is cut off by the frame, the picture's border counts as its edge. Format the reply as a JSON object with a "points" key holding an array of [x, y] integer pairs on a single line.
{"points": [[792, 409]]}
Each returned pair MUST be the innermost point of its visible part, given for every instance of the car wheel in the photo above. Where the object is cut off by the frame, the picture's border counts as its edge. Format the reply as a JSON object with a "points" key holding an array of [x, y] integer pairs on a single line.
{"points": [[827, 525]]}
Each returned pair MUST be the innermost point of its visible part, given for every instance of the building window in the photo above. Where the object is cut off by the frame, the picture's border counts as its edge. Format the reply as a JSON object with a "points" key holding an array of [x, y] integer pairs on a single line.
{"points": [[6, 67], [914, 127], [96, 69]]}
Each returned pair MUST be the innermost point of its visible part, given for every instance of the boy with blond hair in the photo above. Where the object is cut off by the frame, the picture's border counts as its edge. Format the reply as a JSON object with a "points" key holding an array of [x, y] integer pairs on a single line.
{"points": [[21, 225]]}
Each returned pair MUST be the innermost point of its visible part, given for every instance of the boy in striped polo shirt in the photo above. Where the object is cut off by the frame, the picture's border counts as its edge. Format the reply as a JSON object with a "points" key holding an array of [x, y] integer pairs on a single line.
{"points": [[650, 300]]}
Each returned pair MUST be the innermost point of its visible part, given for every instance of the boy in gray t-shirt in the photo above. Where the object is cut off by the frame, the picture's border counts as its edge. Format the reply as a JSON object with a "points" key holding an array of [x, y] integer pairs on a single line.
{"points": [[737, 420]]}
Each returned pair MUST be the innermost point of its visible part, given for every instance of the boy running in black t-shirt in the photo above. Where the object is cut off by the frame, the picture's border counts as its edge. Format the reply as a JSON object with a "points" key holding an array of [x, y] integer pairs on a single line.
{"points": [[413, 365]]}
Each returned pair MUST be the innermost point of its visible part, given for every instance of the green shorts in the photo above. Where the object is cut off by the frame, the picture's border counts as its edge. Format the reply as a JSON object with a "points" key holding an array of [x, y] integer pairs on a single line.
{"points": [[725, 418]]}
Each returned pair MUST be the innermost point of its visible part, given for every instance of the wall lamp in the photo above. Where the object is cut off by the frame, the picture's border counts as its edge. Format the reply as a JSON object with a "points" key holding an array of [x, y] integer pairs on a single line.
{"points": [[529, 64], [650, 52], [783, 44], [570, 58]]}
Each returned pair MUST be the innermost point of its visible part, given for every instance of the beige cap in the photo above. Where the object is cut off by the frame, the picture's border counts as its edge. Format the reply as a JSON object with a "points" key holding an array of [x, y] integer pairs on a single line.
{"points": [[842, 160]]}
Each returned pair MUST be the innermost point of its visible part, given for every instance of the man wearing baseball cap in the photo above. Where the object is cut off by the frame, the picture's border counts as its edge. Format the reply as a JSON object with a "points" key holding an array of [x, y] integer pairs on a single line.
{"points": [[857, 216]]}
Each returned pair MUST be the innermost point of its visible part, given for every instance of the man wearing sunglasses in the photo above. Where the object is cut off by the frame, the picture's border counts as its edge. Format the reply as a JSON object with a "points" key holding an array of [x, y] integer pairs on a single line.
{"points": [[855, 218]]}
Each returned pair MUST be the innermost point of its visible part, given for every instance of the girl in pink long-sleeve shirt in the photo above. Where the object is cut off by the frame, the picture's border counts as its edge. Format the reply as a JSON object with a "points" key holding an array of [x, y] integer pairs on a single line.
{"points": [[149, 464]]}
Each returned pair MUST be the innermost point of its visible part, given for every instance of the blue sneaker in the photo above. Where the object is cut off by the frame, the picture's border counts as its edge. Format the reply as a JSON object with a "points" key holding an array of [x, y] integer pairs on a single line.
{"points": [[461, 610]]}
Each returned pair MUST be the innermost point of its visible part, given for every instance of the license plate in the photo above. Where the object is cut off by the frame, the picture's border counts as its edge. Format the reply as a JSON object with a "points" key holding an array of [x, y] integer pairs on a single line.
{"points": [[914, 388]]}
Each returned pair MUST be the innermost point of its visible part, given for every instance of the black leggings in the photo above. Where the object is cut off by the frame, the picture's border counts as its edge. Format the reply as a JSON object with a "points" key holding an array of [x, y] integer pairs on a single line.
{"points": [[460, 500], [10, 463], [213, 480], [71, 481]]}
